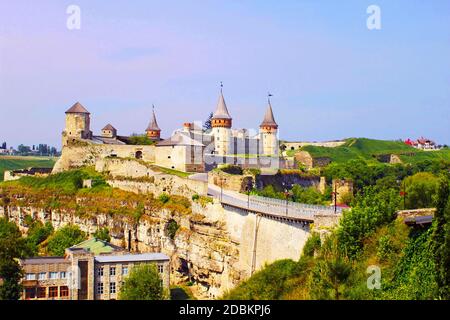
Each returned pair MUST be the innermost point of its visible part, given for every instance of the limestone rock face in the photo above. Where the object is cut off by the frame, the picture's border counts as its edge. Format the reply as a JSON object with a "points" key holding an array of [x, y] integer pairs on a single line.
{"points": [[201, 250]]}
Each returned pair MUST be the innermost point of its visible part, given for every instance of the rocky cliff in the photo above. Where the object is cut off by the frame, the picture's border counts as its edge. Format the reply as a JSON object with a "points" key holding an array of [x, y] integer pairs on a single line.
{"points": [[201, 250]]}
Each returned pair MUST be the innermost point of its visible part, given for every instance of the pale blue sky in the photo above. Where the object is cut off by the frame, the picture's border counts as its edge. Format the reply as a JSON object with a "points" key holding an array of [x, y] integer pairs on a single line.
{"points": [[330, 76]]}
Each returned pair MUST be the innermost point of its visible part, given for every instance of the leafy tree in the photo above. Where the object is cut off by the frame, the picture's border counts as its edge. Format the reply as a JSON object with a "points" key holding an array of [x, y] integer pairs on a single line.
{"points": [[421, 190], [372, 209], [172, 227], [143, 283], [103, 234], [38, 233], [12, 246], [64, 238], [207, 125], [441, 238]]}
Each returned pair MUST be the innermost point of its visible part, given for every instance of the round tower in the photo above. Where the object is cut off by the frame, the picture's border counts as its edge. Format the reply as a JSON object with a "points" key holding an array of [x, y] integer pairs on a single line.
{"points": [[269, 131], [77, 124], [153, 131], [221, 122]]}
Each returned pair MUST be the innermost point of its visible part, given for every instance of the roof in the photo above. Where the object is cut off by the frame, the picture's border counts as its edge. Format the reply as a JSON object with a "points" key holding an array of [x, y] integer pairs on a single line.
{"points": [[44, 260], [221, 110], [269, 120], [77, 108], [132, 257], [109, 127], [153, 125], [180, 139], [97, 246]]}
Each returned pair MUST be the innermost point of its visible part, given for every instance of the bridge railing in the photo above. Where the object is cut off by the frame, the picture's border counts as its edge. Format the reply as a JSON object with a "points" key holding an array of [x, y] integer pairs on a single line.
{"points": [[302, 208], [274, 207]]}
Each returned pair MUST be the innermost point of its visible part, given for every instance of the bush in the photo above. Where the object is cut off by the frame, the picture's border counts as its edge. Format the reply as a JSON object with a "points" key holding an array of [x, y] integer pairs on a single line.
{"points": [[195, 197], [103, 234], [172, 227], [164, 197], [231, 169]]}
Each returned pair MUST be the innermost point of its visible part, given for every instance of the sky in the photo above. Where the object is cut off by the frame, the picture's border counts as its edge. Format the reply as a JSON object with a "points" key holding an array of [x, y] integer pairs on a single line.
{"points": [[330, 76]]}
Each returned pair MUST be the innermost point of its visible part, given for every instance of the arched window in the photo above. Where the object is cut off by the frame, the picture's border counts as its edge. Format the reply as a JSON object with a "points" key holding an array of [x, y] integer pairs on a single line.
{"points": [[138, 155]]}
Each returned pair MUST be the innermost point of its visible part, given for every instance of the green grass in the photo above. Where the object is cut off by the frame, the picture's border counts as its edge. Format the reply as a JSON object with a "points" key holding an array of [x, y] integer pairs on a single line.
{"points": [[19, 162], [368, 149], [67, 182], [180, 174]]}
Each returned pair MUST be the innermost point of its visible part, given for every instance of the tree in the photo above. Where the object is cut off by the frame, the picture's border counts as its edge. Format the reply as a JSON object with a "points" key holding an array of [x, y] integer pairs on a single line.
{"points": [[143, 283], [421, 190], [37, 233], [207, 125], [12, 247], [103, 234], [64, 238], [441, 238], [331, 272]]}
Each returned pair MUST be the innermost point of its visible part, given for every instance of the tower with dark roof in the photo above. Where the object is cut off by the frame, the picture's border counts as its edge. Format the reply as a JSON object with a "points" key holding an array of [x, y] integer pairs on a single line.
{"points": [[221, 122], [77, 124], [153, 131], [109, 131], [269, 130]]}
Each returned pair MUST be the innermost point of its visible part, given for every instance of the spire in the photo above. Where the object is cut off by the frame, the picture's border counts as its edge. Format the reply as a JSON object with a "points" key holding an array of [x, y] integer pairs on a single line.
{"points": [[221, 110], [153, 125], [269, 119]]}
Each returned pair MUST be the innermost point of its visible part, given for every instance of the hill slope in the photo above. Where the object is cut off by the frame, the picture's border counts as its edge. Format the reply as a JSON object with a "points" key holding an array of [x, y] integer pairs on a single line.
{"points": [[17, 162], [369, 149]]}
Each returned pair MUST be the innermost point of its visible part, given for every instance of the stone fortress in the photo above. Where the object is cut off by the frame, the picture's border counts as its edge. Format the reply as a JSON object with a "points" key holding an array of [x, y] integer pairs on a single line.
{"points": [[188, 149]]}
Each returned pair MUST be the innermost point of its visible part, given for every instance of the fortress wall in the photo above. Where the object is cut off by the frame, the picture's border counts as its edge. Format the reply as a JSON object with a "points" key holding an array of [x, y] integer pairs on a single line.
{"points": [[164, 183], [87, 153]]}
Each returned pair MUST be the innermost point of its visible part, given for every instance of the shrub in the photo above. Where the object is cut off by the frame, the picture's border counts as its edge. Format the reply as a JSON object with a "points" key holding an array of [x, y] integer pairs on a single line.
{"points": [[103, 234], [171, 229], [164, 197], [195, 197], [231, 169]]}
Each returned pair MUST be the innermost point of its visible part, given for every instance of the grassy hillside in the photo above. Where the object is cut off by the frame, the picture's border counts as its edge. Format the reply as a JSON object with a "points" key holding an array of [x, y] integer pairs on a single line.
{"points": [[368, 149], [18, 162]]}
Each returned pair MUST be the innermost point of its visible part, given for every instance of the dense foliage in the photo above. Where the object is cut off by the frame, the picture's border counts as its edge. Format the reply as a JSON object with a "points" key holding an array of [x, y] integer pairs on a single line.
{"points": [[64, 238], [143, 283], [414, 261]]}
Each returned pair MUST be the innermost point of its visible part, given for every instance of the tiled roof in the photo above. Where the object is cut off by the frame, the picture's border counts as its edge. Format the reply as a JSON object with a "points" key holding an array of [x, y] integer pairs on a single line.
{"points": [[109, 127], [179, 139], [153, 125], [77, 108]]}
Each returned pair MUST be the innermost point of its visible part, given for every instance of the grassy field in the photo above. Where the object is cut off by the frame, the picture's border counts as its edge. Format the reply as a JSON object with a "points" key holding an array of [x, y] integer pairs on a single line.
{"points": [[19, 162], [368, 149]]}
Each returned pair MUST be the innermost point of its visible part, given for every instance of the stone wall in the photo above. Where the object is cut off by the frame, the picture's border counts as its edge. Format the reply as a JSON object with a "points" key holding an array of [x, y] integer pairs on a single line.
{"points": [[87, 153]]}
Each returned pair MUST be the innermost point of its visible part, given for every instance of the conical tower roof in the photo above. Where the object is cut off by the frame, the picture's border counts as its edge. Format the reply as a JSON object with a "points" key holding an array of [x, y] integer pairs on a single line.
{"points": [[221, 110], [153, 125], [77, 108], [269, 119]]}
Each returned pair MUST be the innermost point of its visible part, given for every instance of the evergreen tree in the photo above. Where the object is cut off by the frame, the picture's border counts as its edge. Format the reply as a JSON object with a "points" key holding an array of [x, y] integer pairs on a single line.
{"points": [[207, 125]]}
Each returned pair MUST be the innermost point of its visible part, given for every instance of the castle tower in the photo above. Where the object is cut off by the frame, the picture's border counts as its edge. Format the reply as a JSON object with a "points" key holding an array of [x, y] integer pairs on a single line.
{"points": [[269, 131], [77, 124], [153, 131], [221, 127]]}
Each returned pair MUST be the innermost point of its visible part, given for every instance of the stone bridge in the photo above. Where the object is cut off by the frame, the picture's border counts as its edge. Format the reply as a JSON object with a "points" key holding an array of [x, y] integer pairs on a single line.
{"points": [[270, 229]]}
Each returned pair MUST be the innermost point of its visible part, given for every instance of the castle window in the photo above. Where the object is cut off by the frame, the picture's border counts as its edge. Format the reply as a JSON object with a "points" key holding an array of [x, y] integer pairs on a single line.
{"points": [[138, 155], [168, 157]]}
